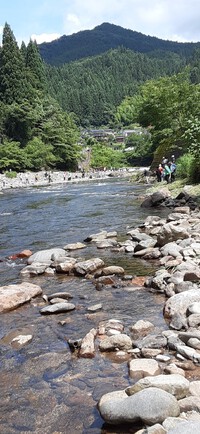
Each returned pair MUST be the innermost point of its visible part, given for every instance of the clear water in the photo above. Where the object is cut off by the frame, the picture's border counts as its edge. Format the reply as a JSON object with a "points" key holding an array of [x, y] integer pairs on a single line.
{"points": [[45, 388]]}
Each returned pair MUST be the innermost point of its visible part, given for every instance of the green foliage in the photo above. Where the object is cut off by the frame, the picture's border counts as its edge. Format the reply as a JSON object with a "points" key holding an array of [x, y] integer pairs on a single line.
{"points": [[185, 166], [11, 174], [39, 155], [142, 148], [104, 156], [12, 156]]}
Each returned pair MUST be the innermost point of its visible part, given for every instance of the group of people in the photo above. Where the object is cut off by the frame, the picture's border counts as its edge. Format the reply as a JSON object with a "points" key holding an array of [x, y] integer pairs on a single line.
{"points": [[166, 171]]}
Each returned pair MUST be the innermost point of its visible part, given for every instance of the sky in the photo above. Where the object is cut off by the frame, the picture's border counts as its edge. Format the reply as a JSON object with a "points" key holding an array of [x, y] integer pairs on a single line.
{"points": [[46, 20]]}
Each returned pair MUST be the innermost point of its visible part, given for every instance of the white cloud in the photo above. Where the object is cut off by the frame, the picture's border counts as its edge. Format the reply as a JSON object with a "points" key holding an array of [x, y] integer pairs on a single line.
{"points": [[45, 37]]}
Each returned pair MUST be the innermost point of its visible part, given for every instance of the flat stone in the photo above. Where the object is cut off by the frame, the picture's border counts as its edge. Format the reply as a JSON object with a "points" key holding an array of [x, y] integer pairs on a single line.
{"points": [[74, 246], [176, 385], [140, 368], [12, 296], [45, 255], [188, 427], [57, 308]]}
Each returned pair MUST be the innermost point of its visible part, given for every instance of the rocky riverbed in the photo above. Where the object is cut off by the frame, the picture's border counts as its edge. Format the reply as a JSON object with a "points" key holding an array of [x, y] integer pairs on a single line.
{"points": [[164, 395]]}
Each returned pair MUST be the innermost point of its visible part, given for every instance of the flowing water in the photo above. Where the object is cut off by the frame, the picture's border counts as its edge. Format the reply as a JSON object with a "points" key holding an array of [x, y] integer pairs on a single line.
{"points": [[46, 388]]}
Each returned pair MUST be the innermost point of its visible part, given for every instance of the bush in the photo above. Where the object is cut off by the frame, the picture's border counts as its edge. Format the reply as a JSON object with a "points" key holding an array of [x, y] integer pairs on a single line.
{"points": [[185, 166], [11, 174]]}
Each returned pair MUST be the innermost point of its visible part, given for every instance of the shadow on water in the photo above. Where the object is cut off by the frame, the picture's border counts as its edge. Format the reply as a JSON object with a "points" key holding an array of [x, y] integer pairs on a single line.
{"points": [[46, 388]]}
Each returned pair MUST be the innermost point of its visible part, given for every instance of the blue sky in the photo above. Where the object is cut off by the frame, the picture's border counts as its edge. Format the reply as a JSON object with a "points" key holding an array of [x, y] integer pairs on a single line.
{"points": [[45, 20]]}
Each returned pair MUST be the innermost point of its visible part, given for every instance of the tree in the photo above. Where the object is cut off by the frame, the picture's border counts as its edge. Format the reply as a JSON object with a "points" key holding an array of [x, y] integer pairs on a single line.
{"points": [[13, 83], [36, 66]]}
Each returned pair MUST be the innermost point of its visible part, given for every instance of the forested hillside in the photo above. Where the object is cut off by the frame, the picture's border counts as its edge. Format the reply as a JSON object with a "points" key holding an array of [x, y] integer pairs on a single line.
{"points": [[93, 87], [34, 131], [104, 37]]}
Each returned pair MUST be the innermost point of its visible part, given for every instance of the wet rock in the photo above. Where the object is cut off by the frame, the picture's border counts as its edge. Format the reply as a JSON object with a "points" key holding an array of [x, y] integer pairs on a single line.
{"points": [[87, 349], [96, 237], [12, 296], [74, 246], [57, 308], [65, 295], [88, 266], [112, 269], [66, 266], [95, 307], [176, 385], [35, 269], [140, 368], [149, 406], [111, 343], [25, 253], [45, 255], [141, 328], [21, 340], [105, 244]]}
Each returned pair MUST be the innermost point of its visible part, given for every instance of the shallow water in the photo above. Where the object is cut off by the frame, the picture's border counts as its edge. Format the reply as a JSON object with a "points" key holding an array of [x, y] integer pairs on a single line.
{"points": [[45, 388]]}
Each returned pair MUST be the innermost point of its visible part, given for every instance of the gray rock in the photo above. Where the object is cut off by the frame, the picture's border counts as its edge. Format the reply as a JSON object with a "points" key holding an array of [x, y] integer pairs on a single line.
{"points": [[140, 368], [111, 343], [57, 308], [189, 427], [141, 328], [152, 341], [45, 255], [75, 246], [171, 249], [189, 353], [12, 296], [176, 385], [195, 388], [150, 406], [194, 320], [112, 269], [191, 403], [65, 295], [35, 269], [170, 232], [88, 266], [180, 302], [95, 307]]}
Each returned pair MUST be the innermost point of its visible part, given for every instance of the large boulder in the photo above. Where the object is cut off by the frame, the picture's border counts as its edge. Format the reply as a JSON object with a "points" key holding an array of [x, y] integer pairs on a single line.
{"points": [[171, 232], [150, 406], [12, 296], [181, 302], [46, 255], [175, 384]]}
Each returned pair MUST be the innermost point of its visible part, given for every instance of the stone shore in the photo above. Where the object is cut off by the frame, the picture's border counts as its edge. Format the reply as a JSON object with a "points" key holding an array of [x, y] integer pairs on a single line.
{"points": [[43, 178]]}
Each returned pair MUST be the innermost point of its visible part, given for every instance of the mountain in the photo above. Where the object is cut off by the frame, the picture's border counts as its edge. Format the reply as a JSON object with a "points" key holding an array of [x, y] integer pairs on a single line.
{"points": [[107, 36]]}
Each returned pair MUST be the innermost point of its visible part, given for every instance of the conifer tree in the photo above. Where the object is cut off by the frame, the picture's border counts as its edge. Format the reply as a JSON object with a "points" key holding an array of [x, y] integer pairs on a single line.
{"points": [[35, 64], [13, 86]]}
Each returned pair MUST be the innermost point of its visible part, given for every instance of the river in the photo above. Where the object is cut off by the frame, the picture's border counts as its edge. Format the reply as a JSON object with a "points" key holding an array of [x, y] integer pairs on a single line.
{"points": [[46, 388]]}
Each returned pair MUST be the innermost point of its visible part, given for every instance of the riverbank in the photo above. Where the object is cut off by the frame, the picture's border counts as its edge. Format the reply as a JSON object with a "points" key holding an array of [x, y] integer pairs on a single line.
{"points": [[42, 178]]}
